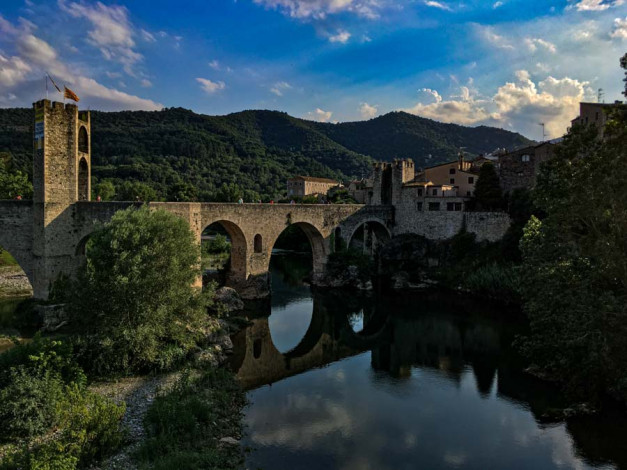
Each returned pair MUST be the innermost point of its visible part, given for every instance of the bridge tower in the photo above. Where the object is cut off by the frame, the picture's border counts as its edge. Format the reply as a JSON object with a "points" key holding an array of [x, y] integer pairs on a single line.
{"points": [[61, 177]]}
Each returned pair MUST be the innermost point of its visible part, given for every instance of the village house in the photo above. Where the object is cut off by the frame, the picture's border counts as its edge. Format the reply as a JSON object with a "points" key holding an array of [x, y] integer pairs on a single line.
{"points": [[595, 114], [518, 169], [301, 186]]}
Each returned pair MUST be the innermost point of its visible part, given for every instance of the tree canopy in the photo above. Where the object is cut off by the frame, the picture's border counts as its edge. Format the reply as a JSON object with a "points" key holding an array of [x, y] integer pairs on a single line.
{"points": [[134, 300]]}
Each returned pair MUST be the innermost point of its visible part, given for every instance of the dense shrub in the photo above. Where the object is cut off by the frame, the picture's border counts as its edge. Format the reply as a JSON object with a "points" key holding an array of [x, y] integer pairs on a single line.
{"points": [[218, 244], [339, 260], [494, 280], [134, 303], [184, 426]]}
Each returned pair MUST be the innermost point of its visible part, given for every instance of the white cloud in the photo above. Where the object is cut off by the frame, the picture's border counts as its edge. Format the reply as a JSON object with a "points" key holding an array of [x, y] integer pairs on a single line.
{"points": [[533, 44], [146, 83], [280, 87], [13, 70], [21, 75], [214, 64], [518, 105], [112, 31], [596, 5], [319, 115], [320, 9], [368, 111], [342, 37], [148, 36], [210, 87], [440, 5], [497, 5], [490, 36], [436, 96], [620, 29]]}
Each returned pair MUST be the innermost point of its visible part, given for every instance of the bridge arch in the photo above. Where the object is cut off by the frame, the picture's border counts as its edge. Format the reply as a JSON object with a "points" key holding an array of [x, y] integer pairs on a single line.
{"points": [[317, 241], [239, 249], [370, 232]]}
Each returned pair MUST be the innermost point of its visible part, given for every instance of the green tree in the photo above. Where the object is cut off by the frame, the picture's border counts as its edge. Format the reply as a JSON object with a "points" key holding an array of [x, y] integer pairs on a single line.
{"points": [[574, 263], [136, 191], [134, 300], [105, 189], [488, 193], [623, 64], [231, 192], [14, 184]]}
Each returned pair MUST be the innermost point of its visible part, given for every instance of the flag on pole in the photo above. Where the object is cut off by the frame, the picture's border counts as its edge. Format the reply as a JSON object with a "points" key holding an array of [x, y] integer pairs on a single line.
{"points": [[70, 95], [55, 85]]}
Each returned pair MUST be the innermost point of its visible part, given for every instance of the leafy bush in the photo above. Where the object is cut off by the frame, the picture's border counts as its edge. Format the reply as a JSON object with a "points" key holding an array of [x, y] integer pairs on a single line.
{"points": [[339, 260], [185, 425], [218, 244], [134, 303], [494, 280]]}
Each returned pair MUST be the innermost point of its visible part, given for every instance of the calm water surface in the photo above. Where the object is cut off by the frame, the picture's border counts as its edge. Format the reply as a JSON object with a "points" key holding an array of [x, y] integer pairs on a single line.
{"points": [[343, 381]]}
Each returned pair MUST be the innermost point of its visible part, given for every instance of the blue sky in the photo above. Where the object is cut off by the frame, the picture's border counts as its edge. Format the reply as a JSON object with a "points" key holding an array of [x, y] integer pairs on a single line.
{"points": [[507, 63]]}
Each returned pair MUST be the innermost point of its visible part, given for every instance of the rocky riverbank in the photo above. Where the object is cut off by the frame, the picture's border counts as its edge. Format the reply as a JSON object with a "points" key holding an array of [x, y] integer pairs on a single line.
{"points": [[14, 283]]}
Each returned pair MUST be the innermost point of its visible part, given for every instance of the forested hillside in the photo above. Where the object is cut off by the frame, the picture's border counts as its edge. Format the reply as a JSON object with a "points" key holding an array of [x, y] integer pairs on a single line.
{"points": [[182, 155]]}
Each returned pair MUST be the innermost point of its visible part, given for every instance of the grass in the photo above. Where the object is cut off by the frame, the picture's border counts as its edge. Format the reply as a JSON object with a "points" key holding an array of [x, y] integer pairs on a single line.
{"points": [[6, 259], [184, 427]]}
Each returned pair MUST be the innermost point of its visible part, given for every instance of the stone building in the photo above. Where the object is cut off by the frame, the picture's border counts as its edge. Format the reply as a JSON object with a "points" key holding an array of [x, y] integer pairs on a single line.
{"points": [[460, 174], [518, 169], [301, 186], [361, 190], [595, 114]]}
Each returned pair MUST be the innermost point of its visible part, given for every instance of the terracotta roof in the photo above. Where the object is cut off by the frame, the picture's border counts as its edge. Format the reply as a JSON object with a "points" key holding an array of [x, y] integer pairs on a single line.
{"points": [[314, 179]]}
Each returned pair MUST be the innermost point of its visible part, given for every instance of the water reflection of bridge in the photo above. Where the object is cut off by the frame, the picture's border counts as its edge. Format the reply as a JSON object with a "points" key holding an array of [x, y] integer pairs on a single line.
{"points": [[414, 332]]}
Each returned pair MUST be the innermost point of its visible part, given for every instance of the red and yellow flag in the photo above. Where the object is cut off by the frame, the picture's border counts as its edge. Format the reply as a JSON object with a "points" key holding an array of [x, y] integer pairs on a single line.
{"points": [[69, 94]]}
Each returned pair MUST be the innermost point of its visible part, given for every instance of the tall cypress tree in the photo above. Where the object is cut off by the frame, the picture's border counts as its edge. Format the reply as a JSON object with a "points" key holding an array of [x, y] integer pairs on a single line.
{"points": [[488, 193]]}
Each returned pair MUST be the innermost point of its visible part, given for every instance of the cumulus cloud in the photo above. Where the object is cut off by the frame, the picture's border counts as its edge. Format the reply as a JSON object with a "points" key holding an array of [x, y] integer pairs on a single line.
{"points": [[280, 87], [320, 9], [534, 43], [620, 29], [210, 87], [319, 115], [112, 31], [497, 5], [21, 74], [490, 36], [440, 5], [518, 105], [596, 5], [368, 111], [341, 36]]}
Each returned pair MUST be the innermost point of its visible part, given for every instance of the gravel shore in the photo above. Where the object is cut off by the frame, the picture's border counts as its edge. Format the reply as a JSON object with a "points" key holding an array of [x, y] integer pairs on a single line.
{"points": [[14, 283], [138, 393]]}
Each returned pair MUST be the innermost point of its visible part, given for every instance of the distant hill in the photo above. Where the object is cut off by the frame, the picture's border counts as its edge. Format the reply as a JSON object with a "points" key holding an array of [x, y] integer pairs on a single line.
{"points": [[256, 150]]}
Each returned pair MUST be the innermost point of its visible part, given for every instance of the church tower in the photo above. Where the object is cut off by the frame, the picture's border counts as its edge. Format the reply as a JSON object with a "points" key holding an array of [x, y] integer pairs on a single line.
{"points": [[61, 177]]}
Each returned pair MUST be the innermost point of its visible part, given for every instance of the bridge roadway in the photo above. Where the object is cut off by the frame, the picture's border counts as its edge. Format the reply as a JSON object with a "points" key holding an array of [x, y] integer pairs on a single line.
{"points": [[48, 242]]}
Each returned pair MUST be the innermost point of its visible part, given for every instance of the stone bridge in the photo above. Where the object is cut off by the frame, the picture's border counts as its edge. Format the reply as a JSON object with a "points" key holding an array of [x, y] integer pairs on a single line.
{"points": [[48, 247]]}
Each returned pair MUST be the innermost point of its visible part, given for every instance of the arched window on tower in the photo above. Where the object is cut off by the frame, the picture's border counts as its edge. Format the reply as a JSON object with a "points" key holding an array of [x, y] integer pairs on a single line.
{"points": [[83, 180], [83, 140]]}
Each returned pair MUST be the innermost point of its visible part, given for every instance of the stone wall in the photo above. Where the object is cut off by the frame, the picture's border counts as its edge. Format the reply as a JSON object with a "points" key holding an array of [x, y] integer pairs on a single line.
{"points": [[16, 232]]}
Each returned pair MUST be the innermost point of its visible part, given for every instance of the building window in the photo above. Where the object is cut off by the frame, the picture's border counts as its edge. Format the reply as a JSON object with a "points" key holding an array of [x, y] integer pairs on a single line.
{"points": [[458, 206], [468, 193], [419, 206], [83, 140], [450, 206], [419, 191], [471, 180], [525, 158], [452, 181], [434, 192], [434, 206], [451, 171]]}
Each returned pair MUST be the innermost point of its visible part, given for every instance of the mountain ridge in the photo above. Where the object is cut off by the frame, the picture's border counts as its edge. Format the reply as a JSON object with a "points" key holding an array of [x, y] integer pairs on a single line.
{"points": [[256, 150]]}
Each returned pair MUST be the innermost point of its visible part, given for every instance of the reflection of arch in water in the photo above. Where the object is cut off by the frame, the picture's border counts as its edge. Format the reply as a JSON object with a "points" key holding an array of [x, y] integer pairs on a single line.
{"points": [[368, 236], [328, 338], [239, 248]]}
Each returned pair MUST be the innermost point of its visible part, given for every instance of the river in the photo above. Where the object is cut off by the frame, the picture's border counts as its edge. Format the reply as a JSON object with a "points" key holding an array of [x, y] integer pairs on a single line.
{"points": [[339, 380]]}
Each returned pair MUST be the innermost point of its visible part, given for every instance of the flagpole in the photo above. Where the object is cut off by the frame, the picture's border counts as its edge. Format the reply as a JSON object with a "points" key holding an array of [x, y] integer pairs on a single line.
{"points": [[46, 79]]}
